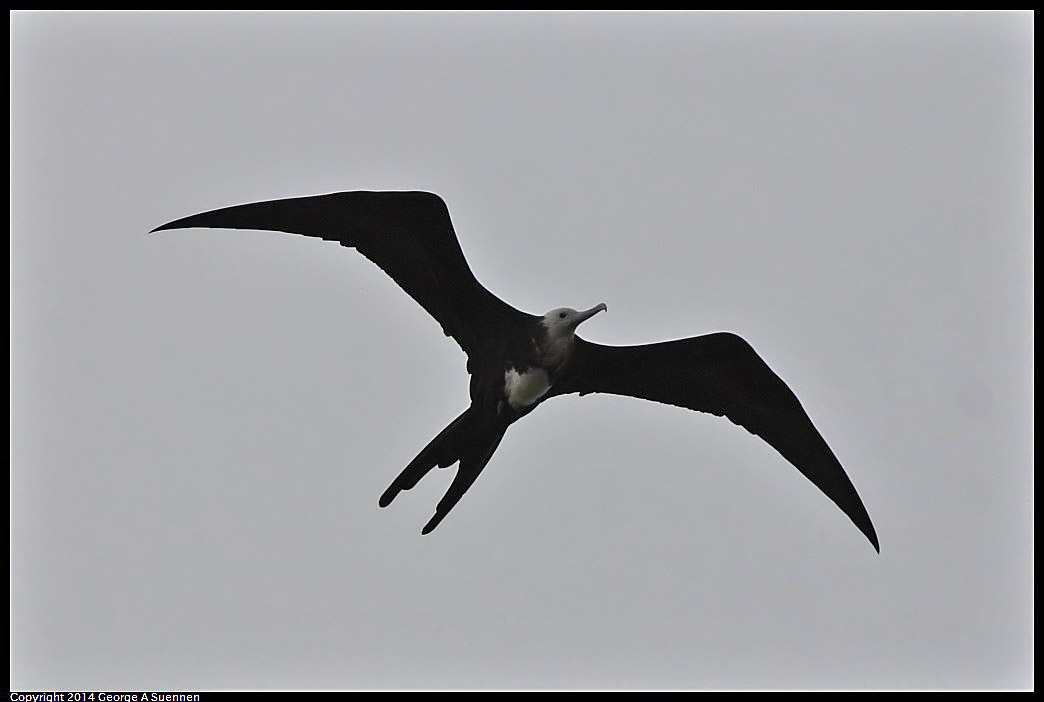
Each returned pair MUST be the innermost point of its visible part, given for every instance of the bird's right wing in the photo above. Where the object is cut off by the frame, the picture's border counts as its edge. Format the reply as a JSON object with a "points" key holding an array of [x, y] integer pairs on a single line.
{"points": [[408, 234], [720, 374]]}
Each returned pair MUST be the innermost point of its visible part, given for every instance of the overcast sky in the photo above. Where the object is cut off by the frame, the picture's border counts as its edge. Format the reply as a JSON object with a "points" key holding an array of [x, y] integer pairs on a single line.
{"points": [[202, 421]]}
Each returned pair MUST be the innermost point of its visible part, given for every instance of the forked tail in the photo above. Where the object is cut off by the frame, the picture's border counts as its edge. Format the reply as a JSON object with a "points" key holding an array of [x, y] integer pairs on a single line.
{"points": [[467, 439]]}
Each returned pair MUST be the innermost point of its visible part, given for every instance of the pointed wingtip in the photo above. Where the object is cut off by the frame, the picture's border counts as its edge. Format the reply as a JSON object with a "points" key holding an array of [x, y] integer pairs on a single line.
{"points": [[168, 225], [208, 220], [869, 532]]}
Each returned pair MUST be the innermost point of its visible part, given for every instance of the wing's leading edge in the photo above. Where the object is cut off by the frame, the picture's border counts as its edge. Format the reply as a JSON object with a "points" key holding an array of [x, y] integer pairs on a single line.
{"points": [[720, 374]]}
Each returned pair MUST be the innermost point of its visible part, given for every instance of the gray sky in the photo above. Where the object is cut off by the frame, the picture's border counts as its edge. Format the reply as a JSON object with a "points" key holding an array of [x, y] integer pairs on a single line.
{"points": [[202, 421]]}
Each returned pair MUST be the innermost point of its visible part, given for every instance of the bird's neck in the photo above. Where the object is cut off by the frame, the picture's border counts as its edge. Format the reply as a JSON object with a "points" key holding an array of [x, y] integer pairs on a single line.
{"points": [[553, 350]]}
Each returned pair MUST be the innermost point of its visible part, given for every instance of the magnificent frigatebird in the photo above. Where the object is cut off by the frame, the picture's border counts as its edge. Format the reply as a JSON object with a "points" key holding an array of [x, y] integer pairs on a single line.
{"points": [[518, 360]]}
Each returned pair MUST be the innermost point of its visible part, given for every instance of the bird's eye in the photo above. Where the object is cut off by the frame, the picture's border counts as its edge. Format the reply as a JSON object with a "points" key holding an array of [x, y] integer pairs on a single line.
{"points": [[561, 315]]}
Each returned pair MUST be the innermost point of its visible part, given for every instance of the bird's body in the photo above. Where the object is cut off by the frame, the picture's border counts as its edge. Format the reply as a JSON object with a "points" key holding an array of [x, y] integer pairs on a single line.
{"points": [[534, 366], [523, 388], [518, 360]]}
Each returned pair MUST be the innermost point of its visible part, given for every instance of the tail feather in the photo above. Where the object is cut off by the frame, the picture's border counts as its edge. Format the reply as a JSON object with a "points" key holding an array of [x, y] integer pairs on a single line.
{"points": [[443, 450], [471, 464], [467, 439]]}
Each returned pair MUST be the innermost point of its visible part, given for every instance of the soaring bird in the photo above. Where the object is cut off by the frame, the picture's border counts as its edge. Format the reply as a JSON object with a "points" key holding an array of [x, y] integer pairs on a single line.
{"points": [[518, 360]]}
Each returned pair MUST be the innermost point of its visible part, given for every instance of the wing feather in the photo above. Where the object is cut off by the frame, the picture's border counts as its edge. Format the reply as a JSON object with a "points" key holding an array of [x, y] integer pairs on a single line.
{"points": [[409, 235], [720, 374]]}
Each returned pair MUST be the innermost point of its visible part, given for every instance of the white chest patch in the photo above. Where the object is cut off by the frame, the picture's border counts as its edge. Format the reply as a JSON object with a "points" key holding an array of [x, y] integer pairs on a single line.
{"points": [[525, 388]]}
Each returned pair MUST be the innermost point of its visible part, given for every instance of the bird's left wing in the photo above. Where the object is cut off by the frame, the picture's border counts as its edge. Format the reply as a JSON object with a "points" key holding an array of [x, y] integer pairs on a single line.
{"points": [[720, 374], [408, 234]]}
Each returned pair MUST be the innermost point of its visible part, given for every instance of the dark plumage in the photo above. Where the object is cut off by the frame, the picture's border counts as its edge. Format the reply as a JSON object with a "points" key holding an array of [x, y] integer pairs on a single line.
{"points": [[518, 360]]}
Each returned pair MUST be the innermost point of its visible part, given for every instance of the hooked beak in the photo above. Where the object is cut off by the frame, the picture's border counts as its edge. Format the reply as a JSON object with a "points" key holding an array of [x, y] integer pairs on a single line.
{"points": [[587, 314]]}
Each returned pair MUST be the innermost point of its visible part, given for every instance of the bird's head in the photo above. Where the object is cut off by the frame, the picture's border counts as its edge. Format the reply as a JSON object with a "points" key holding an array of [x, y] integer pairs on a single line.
{"points": [[563, 321]]}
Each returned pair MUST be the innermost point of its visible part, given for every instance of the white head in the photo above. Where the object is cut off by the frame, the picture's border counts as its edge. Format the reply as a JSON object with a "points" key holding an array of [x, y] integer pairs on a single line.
{"points": [[561, 323]]}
